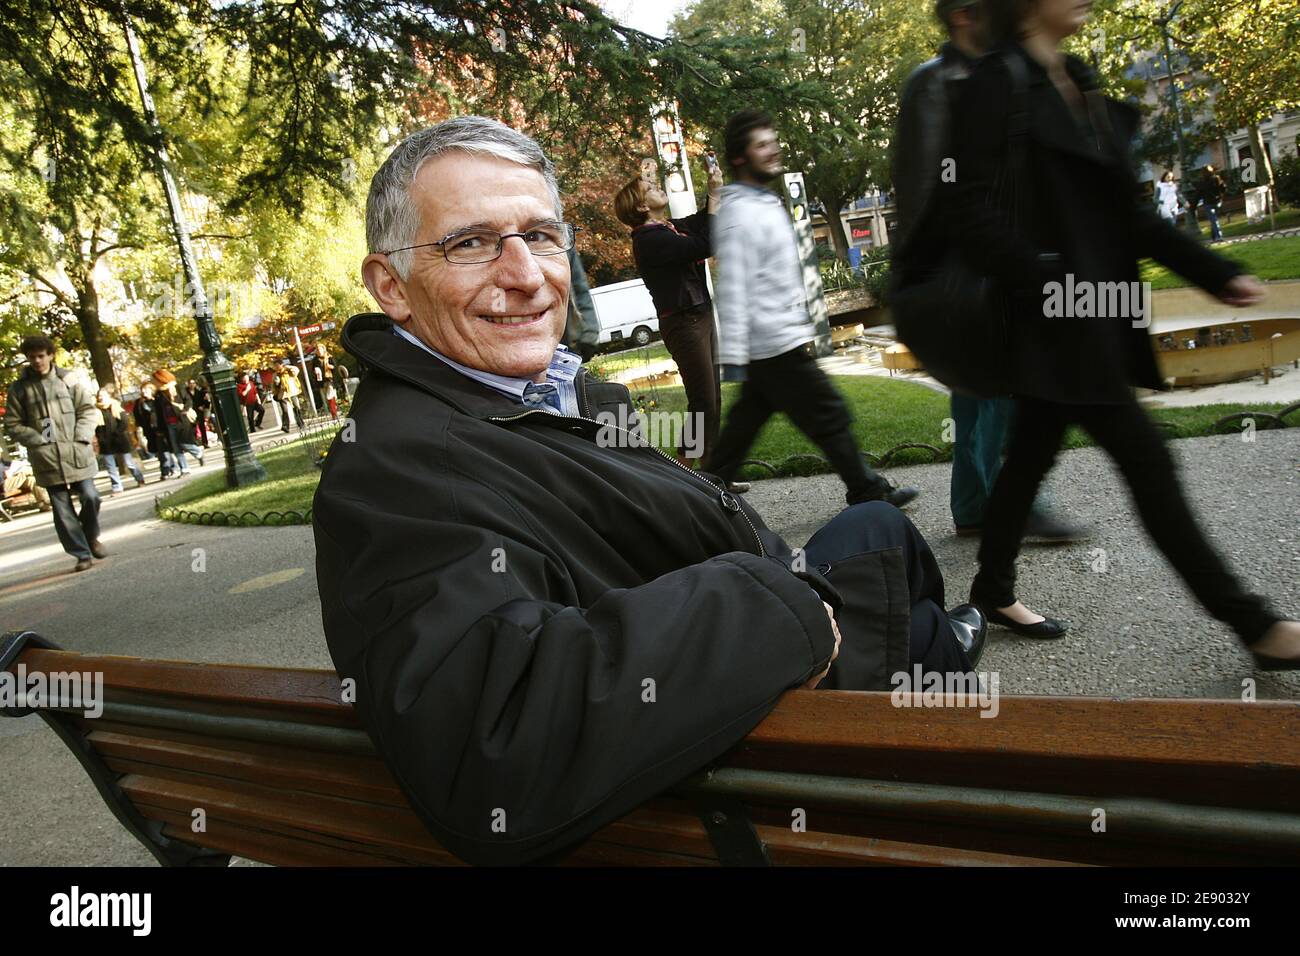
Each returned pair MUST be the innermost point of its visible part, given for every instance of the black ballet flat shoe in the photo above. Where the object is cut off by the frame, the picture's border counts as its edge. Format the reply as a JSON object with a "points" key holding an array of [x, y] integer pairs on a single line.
{"points": [[1047, 628], [971, 628], [1265, 662]]}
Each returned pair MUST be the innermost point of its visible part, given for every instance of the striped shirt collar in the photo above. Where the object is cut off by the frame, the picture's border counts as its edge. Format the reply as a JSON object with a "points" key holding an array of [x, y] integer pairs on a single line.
{"points": [[561, 373]]}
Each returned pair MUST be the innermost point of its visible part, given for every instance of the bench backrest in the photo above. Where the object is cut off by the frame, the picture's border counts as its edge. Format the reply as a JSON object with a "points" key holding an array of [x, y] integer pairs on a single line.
{"points": [[204, 761]]}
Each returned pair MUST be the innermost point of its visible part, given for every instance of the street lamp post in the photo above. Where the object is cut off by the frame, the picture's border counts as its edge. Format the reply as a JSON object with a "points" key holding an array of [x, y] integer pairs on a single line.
{"points": [[242, 466]]}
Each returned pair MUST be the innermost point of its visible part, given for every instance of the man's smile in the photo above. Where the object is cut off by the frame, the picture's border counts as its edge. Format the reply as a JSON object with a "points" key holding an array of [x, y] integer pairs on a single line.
{"points": [[525, 319]]}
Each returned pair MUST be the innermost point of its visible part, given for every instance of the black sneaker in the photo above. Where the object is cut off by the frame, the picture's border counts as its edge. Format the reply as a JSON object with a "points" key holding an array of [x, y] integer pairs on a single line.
{"points": [[901, 496]]}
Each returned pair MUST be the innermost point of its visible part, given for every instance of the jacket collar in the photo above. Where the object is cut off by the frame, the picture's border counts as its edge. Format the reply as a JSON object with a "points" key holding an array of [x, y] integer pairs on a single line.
{"points": [[1053, 122], [369, 336]]}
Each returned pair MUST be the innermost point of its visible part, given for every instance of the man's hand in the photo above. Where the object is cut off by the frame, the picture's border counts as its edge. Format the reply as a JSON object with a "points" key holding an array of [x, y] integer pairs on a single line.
{"points": [[812, 684], [1242, 291]]}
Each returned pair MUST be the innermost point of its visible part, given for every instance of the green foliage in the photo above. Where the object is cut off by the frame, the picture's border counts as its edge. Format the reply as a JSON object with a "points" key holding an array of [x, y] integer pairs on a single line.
{"points": [[1287, 176]]}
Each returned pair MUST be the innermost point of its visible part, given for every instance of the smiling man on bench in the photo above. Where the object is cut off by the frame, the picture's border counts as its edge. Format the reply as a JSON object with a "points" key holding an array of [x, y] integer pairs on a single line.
{"points": [[547, 621]]}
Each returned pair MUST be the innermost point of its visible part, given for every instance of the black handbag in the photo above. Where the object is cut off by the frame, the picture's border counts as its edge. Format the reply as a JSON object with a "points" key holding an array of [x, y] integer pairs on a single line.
{"points": [[955, 320]]}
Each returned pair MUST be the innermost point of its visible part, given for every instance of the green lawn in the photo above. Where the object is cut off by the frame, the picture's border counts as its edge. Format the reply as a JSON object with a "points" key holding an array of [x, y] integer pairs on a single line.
{"points": [[887, 412], [290, 483], [608, 365], [1266, 258]]}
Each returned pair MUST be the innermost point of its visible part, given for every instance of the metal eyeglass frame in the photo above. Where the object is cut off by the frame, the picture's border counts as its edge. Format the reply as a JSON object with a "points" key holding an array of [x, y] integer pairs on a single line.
{"points": [[570, 229]]}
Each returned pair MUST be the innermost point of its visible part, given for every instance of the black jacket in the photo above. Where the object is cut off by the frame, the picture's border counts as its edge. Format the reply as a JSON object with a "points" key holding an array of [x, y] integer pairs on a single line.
{"points": [[670, 261], [113, 432], [1078, 211], [545, 632], [922, 142]]}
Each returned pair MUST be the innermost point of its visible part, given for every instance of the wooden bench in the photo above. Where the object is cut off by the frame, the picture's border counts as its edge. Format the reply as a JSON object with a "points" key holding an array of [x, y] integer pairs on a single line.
{"points": [[284, 775]]}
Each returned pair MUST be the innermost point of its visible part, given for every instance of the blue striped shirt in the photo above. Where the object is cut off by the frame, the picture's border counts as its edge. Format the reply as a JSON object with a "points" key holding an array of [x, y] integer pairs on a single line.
{"points": [[558, 395]]}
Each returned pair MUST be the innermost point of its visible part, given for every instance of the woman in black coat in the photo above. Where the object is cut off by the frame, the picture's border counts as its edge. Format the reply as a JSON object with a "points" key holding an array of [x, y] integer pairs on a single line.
{"points": [[150, 418], [670, 256], [1054, 216]]}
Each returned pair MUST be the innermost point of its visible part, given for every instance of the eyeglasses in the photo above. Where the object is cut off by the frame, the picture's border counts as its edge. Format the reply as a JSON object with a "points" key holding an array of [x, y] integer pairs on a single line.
{"points": [[483, 245]]}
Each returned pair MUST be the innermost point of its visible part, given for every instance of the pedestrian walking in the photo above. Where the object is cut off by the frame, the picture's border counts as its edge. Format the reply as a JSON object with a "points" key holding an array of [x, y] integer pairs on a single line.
{"points": [[1210, 191], [764, 323], [182, 428], [198, 399], [1036, 115], [113, 435], [922, 141], [52, 412], [250, 398], [288, 394], [1167, 198]]}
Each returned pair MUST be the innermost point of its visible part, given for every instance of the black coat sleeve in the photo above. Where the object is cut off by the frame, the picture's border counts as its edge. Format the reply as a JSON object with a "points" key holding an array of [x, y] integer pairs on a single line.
{"points": [[1171, 247], [516, 721]]}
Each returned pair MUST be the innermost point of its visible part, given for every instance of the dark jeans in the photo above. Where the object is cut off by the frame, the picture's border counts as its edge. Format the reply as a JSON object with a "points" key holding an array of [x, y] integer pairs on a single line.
{"points": [[980, 430], [793, 383], [255, 415], [875, 526], [76, 530], [1138, 448], [693, 343]]}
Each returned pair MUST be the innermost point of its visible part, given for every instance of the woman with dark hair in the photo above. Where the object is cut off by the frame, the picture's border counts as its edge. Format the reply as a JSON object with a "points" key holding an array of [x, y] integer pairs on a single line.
{"points": [[1044, 200], [669, 255]]}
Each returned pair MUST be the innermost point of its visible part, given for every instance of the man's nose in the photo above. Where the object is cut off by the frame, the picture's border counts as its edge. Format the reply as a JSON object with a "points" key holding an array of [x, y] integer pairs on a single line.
{"points": [[517, 268]]}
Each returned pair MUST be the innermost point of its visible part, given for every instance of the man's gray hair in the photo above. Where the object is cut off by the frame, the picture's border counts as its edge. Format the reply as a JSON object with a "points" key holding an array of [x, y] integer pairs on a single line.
{"points": [[392, 220]]}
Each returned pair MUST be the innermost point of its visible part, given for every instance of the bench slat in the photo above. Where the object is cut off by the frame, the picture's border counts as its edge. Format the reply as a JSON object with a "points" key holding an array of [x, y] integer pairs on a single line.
{"points": [[359, 779]]}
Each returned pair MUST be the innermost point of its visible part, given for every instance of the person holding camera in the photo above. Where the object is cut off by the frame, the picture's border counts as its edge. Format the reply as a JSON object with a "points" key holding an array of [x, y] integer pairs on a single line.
{"points": [[670, 255]]}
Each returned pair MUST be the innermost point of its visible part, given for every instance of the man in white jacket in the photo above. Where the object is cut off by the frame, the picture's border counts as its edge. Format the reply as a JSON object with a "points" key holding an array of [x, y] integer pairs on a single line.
{"points": [[764, 323]]}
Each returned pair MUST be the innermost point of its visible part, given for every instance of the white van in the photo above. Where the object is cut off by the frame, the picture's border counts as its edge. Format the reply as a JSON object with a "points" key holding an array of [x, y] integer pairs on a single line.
{"points": [[626, 314]]}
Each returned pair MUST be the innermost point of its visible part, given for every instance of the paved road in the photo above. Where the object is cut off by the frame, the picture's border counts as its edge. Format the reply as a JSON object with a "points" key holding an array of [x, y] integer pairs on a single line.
{"points": [[1136, 632]]}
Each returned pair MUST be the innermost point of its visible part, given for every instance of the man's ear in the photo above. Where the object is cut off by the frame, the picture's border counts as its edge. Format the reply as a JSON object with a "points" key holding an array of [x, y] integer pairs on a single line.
{"points": [[386, 287]]}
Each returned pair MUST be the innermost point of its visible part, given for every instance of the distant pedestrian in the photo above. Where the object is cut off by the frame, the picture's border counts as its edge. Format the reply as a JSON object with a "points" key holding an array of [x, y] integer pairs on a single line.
{"points": [[152, 428], [198, 399], [114, 437], [288, 394], [1167, 198], [250, 398], [331, 396], [52, 412], [182, 424], [1210, 191]]}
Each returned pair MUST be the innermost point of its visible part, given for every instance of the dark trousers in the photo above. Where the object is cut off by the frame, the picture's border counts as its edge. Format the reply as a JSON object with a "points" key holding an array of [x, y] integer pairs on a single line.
{"points": [[794, 383], [692, 341], [1137, 447], [255, 415], [875, 526], [76, 530]]}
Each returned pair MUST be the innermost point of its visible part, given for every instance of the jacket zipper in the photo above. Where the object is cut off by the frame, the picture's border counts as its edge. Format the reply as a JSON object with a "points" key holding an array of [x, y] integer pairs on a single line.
{"points": [[762, 552]]}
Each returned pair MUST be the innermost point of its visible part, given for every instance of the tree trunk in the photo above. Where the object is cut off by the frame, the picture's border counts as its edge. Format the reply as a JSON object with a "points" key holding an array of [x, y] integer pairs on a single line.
{"points": [[1265, 166], [92, 333], [833, 205]]}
